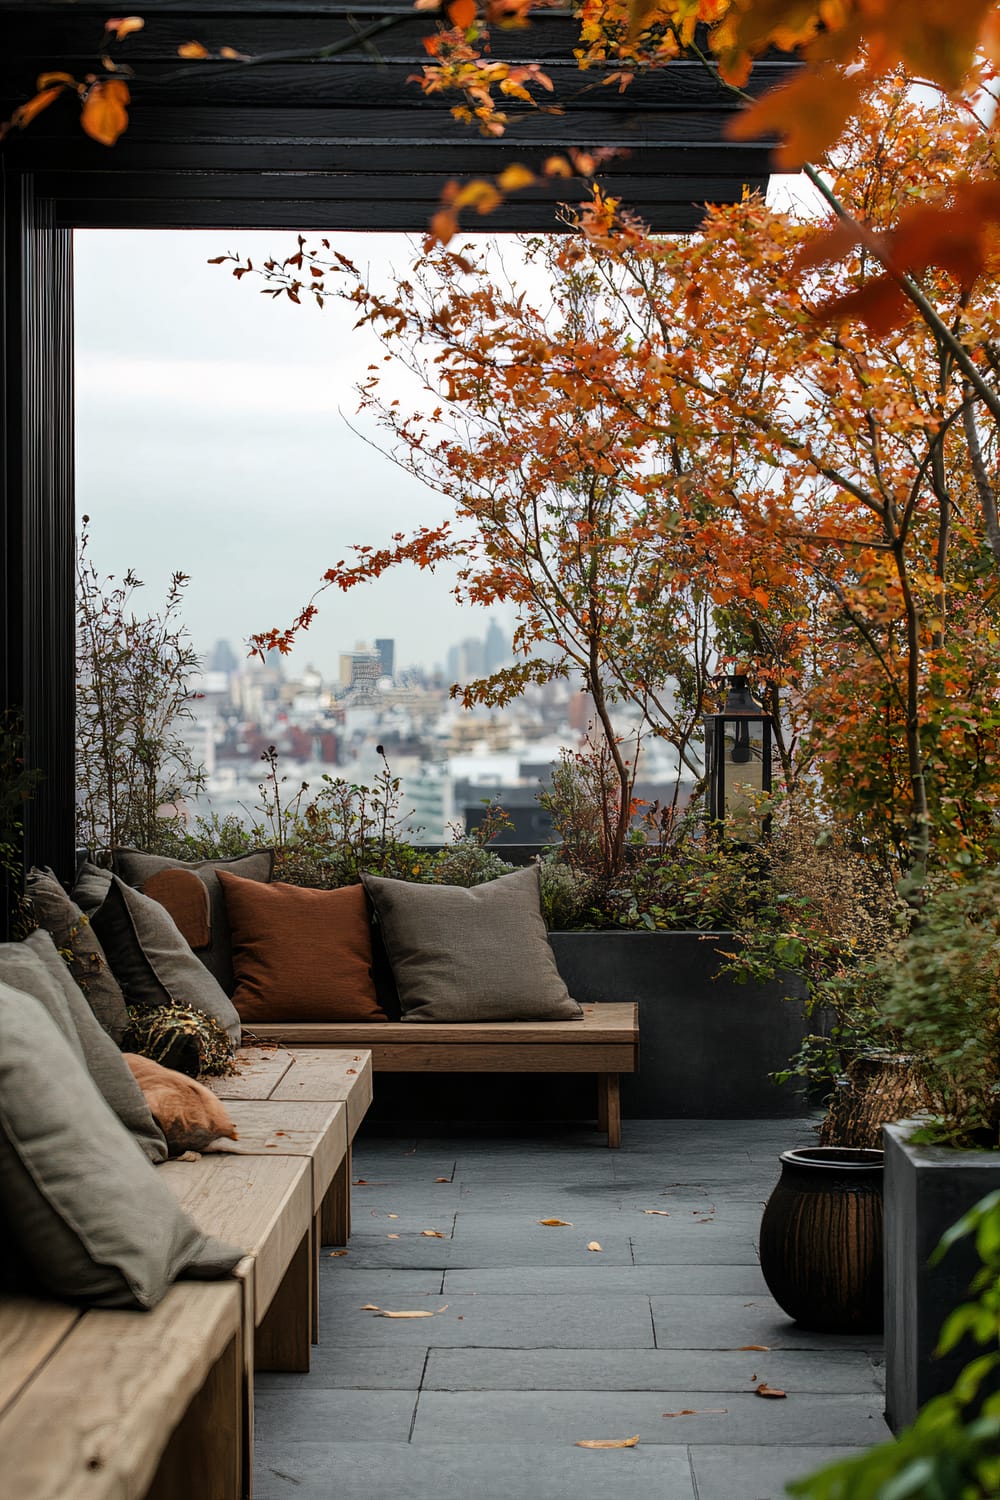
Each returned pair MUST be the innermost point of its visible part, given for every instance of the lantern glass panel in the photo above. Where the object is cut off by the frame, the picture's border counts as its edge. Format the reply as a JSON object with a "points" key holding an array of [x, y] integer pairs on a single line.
{"points": [[744, 776]]}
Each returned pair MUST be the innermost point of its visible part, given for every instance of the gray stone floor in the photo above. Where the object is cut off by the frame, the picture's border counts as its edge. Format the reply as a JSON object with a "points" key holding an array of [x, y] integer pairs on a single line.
{"points": [[536, 1341]]}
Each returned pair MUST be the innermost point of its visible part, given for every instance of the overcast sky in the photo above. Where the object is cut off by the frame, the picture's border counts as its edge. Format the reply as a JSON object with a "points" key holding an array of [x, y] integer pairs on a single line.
{"points": [[210, 441]]}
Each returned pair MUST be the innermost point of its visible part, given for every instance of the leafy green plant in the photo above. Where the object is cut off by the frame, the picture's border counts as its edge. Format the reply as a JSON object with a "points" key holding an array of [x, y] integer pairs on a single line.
{"points": [[940, 993], [132, 693], [952, 1450], [468, 861]]}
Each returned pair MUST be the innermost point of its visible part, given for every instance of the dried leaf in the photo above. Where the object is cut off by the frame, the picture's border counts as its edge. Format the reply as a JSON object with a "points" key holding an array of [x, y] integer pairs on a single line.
{"points": [[123, 26], [192, 50], [371, 1307], [701, 1411], [462, 13], [104, 114], [360, 1182], [763, 1348], [392, 1236], [335, 1253], [231, 55], [389, 1216], [771, 1391], [593, 1245], [629, 1442], [442, 1179], [432, 1234], [513, 177], [421, 1313], [555, 1223], [660, 1212]]}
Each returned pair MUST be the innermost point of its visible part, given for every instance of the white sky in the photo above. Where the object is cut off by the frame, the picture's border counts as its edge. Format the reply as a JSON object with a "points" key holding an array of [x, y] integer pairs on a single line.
{"points": [[210, 441]]}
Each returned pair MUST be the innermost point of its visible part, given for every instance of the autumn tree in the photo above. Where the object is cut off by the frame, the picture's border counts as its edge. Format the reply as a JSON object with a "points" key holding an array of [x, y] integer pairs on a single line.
{"points": [[817, 492]]}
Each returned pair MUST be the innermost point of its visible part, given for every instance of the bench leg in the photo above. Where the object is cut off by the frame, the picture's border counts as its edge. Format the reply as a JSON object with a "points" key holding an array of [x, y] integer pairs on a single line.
{"points": [[284, 1337], [315, 1251], [609, 1106], [208, 1443], [335, 1212]]}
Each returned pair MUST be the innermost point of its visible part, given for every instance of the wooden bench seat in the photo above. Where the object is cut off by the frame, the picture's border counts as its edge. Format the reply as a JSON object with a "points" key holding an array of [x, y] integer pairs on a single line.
{"points": [[111, 1405], [605, 1042]]}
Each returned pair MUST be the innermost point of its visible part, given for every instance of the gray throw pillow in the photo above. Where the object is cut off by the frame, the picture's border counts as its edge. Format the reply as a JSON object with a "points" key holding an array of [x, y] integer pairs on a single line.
{"points": [[471, 955], [87, 1211], [90, 887], [152, 962], [135, 868], [70, 927], [35, 968]]}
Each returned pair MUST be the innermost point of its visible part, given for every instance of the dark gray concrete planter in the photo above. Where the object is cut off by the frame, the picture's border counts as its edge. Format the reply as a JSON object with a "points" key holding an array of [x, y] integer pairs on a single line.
{"points": [[927, 1188], [706, 1045]]}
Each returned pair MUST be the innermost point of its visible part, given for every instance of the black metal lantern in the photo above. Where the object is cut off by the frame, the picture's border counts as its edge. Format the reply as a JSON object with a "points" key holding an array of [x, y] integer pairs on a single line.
{"points": [[738, 749]]}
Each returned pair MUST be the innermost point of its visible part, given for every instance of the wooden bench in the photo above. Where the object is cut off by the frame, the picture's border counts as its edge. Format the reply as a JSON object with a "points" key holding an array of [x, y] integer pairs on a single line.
{"points": [[605, 1042], [109, 1405], [121, 1405]]}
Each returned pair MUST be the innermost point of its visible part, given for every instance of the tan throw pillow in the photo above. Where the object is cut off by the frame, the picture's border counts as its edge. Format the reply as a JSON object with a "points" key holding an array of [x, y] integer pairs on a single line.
{"points": [[471, 955], [300, 954], [188, 1113]]}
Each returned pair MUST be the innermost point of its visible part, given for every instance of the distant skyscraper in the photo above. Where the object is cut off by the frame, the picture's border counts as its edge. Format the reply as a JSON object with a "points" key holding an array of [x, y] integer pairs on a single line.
{"points": [[496, 649], [387, 656], [222, 658]]}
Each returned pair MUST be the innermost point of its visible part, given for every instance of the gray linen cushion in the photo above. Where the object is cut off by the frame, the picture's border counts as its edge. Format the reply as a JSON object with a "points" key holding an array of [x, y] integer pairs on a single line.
{"points": [[87, 1211], [135, 868], [152, 962], [35, 968], [471, 955], [90, 887], [70, 927]]}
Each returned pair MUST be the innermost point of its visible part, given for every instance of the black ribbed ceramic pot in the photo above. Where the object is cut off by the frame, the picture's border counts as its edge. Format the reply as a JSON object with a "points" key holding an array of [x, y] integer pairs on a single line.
{"points": [[821, 1239]]}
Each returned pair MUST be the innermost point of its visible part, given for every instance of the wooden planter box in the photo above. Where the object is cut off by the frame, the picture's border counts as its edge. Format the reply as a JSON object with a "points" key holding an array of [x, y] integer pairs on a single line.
{"points": [[706, 1044], [927, 1188]]}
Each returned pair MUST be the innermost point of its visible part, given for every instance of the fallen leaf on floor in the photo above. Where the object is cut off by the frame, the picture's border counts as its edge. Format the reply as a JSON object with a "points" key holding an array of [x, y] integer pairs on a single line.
{"points": [[421, 1313], [432, 1234], [371, 1307], [629, 1442], [390, 1216], [442, 1179], [593, 1245], [662, 1212], [337, 1252], [281, 1132], [350, 1070], [702, 1411], [761, 1348], [360, 1182], [392, 1236], [769, 1390], [555, 1223]]}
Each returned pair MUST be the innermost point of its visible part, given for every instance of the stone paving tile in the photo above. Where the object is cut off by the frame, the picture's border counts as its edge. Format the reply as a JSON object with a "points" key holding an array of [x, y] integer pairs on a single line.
{"points": [[598, 1276], [715, 1246], [291, 1415], [346, 1367], [567, 1416], [453, 1471], [581, 1321], [757, 1473], [726, 1321], [796, 1371], [340, 1275]]}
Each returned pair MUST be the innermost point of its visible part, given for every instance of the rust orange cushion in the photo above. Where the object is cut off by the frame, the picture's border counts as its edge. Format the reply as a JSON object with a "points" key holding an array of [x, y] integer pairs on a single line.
{"points": [[188, 902], [300, 954]]}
